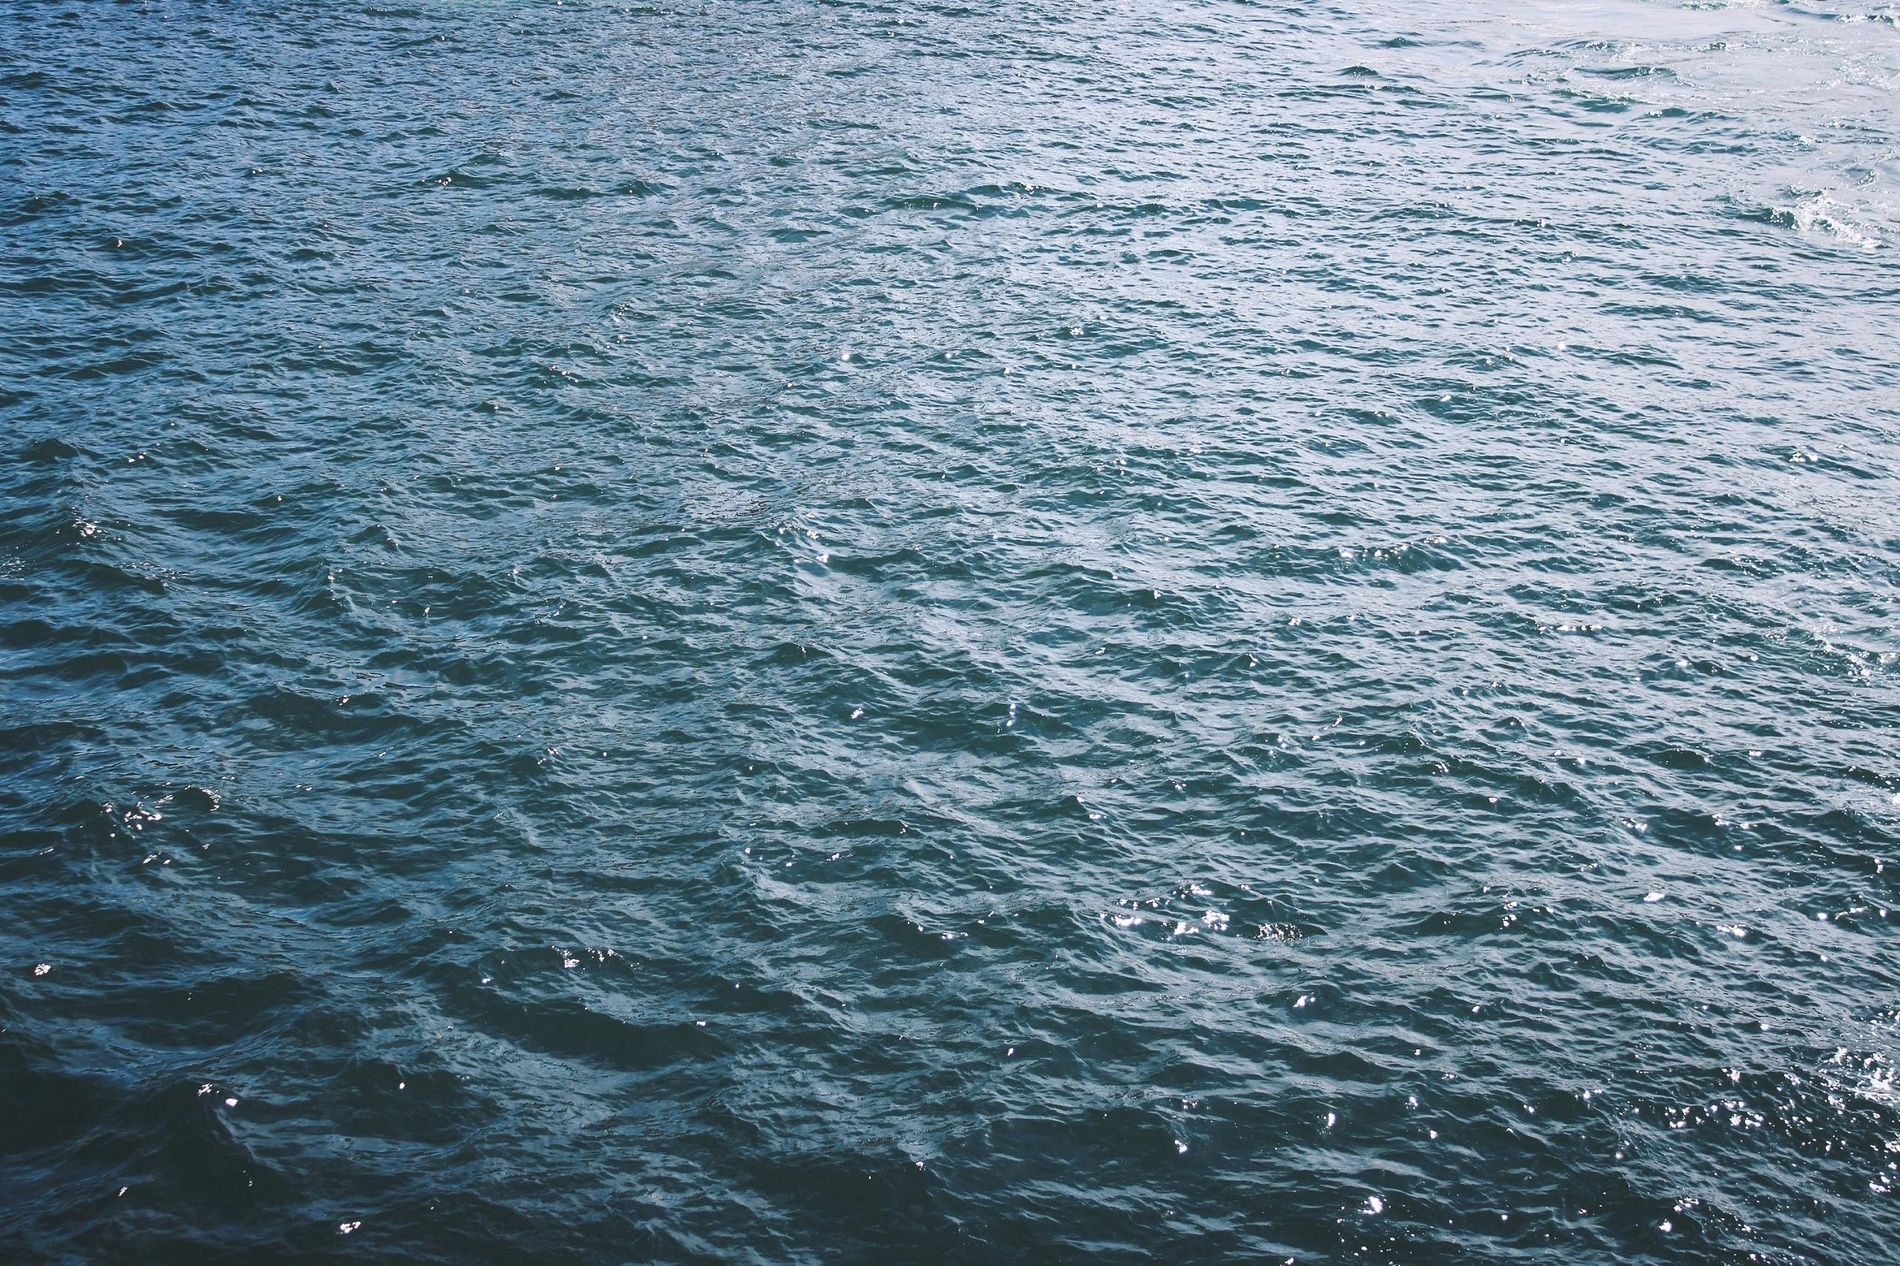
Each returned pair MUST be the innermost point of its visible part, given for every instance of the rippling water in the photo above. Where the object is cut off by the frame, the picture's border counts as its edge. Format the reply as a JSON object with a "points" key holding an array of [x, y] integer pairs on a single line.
{"points": [[803, 631]]}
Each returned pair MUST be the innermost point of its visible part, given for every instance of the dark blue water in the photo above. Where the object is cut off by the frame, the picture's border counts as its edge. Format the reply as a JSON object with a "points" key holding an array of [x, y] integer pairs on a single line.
{"points": [[832, 632]]}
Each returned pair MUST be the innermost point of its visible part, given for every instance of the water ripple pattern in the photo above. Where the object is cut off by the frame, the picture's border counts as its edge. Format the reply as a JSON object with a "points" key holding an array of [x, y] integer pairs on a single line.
{"points": [[823, 631]]}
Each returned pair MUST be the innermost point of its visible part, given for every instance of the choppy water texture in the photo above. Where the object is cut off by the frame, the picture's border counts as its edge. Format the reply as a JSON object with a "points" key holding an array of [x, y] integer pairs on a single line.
{"points": [[1035, 632]]}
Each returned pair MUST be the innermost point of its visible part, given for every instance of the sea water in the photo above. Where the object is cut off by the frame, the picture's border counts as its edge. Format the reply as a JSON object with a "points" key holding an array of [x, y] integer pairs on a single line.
{"points": [[803, 631]]}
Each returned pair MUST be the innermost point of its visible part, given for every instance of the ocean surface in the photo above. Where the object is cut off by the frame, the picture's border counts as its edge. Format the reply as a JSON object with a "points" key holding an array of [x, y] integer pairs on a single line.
{"points": [[796, 632]]}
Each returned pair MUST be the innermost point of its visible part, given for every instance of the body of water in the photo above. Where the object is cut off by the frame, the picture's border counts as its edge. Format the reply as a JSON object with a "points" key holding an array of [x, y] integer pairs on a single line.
{"points": [[900, 632]]}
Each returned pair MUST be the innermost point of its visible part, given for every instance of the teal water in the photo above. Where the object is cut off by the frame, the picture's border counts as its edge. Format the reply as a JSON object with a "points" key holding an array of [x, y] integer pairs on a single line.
{"points": [[859, 632]]}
